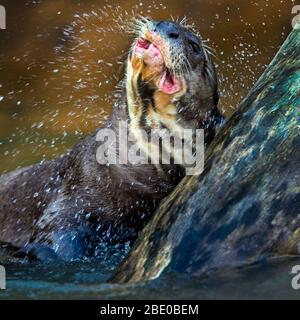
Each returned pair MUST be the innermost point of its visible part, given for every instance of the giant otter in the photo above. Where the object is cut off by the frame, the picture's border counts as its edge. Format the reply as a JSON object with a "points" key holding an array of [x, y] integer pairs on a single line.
{"points": [[74, 207]]}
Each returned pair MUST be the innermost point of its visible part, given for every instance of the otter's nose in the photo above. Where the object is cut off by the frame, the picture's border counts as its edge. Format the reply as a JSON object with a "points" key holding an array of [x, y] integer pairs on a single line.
{"points": [[167, 28]]}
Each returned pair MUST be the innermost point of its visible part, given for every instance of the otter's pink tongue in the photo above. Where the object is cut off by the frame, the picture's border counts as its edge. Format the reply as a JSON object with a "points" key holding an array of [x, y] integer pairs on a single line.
{"points": [[169, 83]]}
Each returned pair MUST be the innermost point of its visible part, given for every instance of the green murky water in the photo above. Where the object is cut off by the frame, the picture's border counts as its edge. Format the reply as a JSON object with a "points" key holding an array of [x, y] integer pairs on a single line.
{"points": [[267, 280]]}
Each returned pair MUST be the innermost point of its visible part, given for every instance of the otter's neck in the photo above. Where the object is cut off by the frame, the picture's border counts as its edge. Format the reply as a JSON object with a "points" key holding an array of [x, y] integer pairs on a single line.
{"points": [[147, 107]]}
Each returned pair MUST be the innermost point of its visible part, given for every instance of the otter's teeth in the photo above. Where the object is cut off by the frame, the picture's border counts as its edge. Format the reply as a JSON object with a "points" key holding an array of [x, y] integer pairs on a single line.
{"points": [[143, 44], [169, 83], [153, 56]]}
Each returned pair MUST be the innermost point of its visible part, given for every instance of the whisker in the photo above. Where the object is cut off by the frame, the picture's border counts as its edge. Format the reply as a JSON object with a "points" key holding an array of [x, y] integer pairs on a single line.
{"points": [[210, 53], [137, 25]]}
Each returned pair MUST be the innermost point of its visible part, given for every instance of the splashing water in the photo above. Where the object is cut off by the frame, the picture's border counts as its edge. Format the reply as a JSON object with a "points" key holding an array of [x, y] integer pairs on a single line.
{"points": [[60, 64]]}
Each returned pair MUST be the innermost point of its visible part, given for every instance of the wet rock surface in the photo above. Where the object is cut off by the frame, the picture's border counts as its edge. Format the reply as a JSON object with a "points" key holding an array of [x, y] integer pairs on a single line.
{"points": [[245, 207]]}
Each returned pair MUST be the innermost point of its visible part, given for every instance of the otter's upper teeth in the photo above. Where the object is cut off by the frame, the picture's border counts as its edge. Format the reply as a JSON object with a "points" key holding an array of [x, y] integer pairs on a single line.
{"points": [[143, 43]]}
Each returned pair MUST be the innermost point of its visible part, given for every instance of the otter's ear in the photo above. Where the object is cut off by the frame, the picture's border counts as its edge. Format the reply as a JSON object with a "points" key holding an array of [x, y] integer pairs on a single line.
{"points": [[216, 97], [217, 117]]}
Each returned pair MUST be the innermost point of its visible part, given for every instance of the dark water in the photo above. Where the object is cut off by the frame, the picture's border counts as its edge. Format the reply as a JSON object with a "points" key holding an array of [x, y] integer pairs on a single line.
{"points": [[59, 64], [268, 280]]}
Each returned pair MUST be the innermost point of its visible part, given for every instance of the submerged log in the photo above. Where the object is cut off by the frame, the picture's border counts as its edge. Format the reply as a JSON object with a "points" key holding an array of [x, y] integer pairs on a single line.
{"points": [[246, 205]]}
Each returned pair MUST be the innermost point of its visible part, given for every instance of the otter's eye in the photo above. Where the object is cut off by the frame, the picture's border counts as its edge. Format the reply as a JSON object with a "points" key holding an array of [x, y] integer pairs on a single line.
{"points": [[195, 47]]}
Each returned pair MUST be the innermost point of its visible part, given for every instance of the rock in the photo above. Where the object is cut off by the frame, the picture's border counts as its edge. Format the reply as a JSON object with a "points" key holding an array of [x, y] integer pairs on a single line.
{"points": [[245, 207]]}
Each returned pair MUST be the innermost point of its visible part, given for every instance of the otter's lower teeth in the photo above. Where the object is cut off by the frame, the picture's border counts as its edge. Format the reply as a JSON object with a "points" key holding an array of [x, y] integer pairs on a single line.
{"points": [[169, 83], [169, 77]]}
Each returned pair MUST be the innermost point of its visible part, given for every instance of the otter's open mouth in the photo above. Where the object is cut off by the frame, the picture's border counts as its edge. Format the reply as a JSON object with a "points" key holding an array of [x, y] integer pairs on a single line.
{"points": [[153, 57]]}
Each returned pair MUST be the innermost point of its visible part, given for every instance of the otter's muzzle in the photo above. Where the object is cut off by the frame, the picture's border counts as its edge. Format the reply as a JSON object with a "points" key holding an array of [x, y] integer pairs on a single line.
{"points": [[167, 29]]}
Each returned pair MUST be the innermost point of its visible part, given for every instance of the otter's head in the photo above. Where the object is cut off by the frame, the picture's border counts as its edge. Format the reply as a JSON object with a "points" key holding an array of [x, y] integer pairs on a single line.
{"points": [[171, 81]]}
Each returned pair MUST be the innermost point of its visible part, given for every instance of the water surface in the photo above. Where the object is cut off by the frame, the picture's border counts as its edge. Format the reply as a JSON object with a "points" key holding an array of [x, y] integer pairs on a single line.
{"points": [[267, 280]]}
